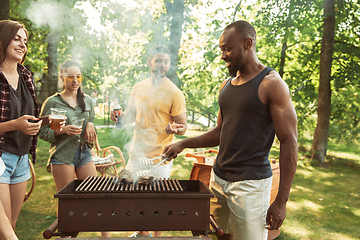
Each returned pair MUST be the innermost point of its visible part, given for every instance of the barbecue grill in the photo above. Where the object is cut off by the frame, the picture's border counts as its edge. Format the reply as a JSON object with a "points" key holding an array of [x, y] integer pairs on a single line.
{"points": [[104, 204]]}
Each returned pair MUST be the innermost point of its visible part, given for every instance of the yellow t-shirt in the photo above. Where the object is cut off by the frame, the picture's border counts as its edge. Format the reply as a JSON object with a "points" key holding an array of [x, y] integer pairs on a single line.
{"points": [[155, 105]]}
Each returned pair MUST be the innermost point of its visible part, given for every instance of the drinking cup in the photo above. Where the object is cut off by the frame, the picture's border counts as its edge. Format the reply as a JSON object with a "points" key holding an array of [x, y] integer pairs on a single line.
{"points": [[77, 121], [57, 116]]}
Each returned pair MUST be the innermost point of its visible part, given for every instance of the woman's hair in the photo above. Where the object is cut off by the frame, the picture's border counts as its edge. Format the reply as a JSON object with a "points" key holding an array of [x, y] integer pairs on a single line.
{"points": [[8, 30], [63, 69]]}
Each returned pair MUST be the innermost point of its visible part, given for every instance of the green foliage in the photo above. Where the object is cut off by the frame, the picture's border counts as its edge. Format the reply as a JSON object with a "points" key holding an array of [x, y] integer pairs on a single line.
{"points": [[299, 25], [295, 23], [322, 202], [115, 58], [345, 114], [201, 70]]}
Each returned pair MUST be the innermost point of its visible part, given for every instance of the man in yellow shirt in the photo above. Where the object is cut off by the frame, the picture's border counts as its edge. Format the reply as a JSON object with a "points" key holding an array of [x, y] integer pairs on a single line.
{"points": [[157, 107]]}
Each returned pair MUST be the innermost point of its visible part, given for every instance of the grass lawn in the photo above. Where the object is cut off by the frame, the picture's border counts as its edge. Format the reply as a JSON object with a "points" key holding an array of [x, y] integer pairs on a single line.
{"points": [[324, 201]]}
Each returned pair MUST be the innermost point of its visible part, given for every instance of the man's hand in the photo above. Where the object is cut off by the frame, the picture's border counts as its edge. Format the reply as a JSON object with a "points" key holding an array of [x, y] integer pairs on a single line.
{"points": [[275, 215], [113, 116], [174, 128], [173, 150]]}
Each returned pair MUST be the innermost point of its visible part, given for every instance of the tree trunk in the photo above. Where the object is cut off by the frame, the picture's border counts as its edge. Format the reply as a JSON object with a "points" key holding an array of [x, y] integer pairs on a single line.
{"points": [[282, 58], [4, 9], [288, 23], [175, 37], [52, 78], [324, 99], [209, 119]]}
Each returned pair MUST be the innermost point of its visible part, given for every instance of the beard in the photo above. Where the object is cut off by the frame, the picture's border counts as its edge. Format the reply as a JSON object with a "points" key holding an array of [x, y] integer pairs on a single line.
{"points": [[233, 68], [232, 72], [160, 73]]}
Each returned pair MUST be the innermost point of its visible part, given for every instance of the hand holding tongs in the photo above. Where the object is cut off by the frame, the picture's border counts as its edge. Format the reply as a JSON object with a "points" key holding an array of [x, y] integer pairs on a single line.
{"points": [[146, 172]]}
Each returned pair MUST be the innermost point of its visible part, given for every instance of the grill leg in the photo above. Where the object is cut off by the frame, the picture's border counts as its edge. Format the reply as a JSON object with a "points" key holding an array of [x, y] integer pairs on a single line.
{"points": [[50, 232], [217, 229]]}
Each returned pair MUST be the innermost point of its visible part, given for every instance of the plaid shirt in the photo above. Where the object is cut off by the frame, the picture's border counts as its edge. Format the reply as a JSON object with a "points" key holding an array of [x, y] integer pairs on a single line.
{"points": [[5, 105]]}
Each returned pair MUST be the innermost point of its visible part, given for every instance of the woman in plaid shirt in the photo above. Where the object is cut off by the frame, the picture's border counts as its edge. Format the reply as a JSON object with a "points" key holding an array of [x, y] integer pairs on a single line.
{"points": [[18, 117]]}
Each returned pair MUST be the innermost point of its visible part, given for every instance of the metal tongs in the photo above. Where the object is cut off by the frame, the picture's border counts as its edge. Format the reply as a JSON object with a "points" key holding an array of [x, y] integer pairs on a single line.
{"points": [[147, 172], [147, 161]]}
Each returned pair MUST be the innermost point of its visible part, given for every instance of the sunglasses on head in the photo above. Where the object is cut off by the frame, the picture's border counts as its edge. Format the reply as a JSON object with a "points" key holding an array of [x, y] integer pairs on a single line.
{"points": [[70, 78]]}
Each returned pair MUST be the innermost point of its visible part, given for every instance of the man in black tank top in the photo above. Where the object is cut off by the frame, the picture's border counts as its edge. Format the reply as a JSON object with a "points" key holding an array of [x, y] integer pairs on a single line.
{"points": [[255, 105]]}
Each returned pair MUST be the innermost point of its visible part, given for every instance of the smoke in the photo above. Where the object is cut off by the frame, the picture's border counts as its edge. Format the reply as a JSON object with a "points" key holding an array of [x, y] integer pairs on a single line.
{"points": [[60, 18], [57, 16], [66, 25]]}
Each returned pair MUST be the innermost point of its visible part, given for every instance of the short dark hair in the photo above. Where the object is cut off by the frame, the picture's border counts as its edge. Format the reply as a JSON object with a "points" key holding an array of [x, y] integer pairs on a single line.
{"points": [[158, 49], [8, 30], [243, 28]]}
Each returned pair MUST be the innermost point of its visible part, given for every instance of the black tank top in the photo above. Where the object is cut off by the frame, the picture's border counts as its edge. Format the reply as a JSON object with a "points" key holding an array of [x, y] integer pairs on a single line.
{"points": [[247, 132]]}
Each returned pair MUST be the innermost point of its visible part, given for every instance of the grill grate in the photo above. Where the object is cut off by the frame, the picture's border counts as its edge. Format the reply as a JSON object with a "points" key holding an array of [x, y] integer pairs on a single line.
{"points": [[105, 184]]}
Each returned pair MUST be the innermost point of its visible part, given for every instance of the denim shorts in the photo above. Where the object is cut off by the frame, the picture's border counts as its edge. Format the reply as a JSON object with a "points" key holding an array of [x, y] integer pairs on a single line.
{"points": [[82, 157], [17, 168]]}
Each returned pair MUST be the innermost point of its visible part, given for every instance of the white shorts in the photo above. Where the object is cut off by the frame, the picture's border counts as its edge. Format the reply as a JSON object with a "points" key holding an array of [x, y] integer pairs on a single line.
{"points": [[162, 171], [240, 208]]}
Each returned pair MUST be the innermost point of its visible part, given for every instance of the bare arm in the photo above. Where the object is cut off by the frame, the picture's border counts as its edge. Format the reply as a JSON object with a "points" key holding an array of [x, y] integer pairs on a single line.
{"points": [[22, 124], [210, 138], [285, 123]]}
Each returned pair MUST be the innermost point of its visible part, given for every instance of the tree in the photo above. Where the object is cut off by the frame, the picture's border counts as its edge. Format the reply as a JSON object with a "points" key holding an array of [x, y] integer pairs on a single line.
{"points": [[4, 9], [48, 19], [177, 21], [324, 101], [345, 108], [51, 82], [289, 40]]}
